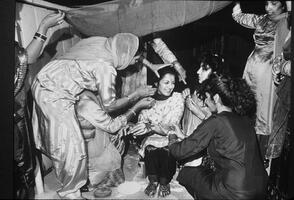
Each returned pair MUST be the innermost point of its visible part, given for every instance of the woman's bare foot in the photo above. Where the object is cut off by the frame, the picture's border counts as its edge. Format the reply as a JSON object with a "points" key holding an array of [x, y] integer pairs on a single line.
{"points": [[163, 190], [151, 189]]}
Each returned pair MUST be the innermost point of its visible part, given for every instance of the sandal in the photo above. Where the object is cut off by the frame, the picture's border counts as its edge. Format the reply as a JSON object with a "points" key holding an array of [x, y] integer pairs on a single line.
{"points": [[163, 190], [151, 189]]}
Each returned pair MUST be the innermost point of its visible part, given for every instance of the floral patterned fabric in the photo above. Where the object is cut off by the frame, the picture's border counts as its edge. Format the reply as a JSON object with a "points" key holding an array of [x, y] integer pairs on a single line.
{"points": [[167, 112]]}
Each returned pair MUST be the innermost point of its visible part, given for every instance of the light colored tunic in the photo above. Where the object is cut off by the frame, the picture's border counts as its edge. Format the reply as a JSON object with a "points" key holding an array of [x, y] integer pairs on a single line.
{"points": [[258, 68], [55, 90], [191, 121], [167, 113], [56, 127], [97, 126]]}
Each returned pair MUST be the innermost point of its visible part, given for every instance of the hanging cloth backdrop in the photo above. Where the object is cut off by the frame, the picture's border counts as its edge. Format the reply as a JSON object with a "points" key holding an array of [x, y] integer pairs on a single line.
{"points": [[139, 17]]}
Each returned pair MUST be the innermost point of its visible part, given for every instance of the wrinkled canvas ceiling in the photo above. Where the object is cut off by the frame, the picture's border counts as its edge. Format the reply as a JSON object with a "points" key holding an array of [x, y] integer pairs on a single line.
{"points": [[140, 17], [75, 3]]}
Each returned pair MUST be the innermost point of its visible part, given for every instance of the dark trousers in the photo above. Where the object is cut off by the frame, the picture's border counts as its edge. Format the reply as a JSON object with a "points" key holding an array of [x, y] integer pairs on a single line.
{"points": [[160, 165]]}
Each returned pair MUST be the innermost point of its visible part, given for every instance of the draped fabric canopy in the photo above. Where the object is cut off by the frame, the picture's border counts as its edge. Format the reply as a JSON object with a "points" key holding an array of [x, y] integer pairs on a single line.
{"points": [[139, 17]]}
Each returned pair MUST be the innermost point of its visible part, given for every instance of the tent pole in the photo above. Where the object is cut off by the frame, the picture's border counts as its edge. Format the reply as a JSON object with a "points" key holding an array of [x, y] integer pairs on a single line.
{"points": [[39, 5]]}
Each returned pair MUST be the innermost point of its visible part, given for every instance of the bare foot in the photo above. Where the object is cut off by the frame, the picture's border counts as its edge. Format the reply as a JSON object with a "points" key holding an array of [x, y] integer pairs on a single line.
{"points": [[151, 189], [163, 190]]}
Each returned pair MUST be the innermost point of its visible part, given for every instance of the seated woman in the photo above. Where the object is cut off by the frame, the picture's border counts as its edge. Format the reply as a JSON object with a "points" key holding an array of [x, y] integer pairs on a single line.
{"points": [[230, 138], [156, 124], [196, 111]]}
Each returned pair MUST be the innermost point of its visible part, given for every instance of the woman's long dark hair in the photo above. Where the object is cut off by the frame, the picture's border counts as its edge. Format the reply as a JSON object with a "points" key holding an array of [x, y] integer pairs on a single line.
{"points": [[283, 5], [217, 65], [234, 93], [162, 72], [214, 61], [167, 70]]}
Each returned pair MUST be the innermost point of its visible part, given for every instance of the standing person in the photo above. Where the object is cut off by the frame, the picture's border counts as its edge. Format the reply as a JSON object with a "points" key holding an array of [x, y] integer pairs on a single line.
{"points": [[24, 157], [156, 124], [90, 64], [258, 68], [282, 76], [231, 141]]}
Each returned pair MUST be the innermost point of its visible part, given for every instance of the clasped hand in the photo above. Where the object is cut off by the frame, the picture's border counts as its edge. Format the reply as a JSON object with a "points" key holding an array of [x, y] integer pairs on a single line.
{"points": [[145, 91], [144, 128], [145, 103], [52, 19], [186, 93]]}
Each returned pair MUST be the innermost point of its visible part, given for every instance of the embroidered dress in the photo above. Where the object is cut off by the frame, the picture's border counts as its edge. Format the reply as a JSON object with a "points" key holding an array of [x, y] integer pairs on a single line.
{"points": [[258, 68], [165, 112], [91, 64]]}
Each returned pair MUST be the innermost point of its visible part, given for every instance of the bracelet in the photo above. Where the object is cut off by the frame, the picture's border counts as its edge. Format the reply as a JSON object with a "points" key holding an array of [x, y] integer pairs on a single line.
{"points": [[40, 36], [133, 112], [37, 38], [141, 58]]}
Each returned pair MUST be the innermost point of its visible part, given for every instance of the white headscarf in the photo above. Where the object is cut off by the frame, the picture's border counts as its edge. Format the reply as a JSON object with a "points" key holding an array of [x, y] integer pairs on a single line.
{"points": [[123, 47], [118, 50]]}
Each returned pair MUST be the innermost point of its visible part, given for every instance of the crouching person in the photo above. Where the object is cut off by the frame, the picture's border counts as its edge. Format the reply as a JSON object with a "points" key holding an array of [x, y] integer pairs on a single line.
{"points": [[230, 139], [97, 125]]}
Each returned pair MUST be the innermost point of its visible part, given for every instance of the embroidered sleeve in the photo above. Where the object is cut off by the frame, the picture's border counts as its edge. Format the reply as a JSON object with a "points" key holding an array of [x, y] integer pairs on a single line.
{"points": [[163, 51], [176, 109], [247, 20]]}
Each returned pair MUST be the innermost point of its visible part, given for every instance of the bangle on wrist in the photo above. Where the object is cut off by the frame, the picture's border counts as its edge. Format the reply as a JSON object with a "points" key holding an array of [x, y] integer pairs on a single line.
{"points": [[40, 36], [141, 58], [39, 39]]}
